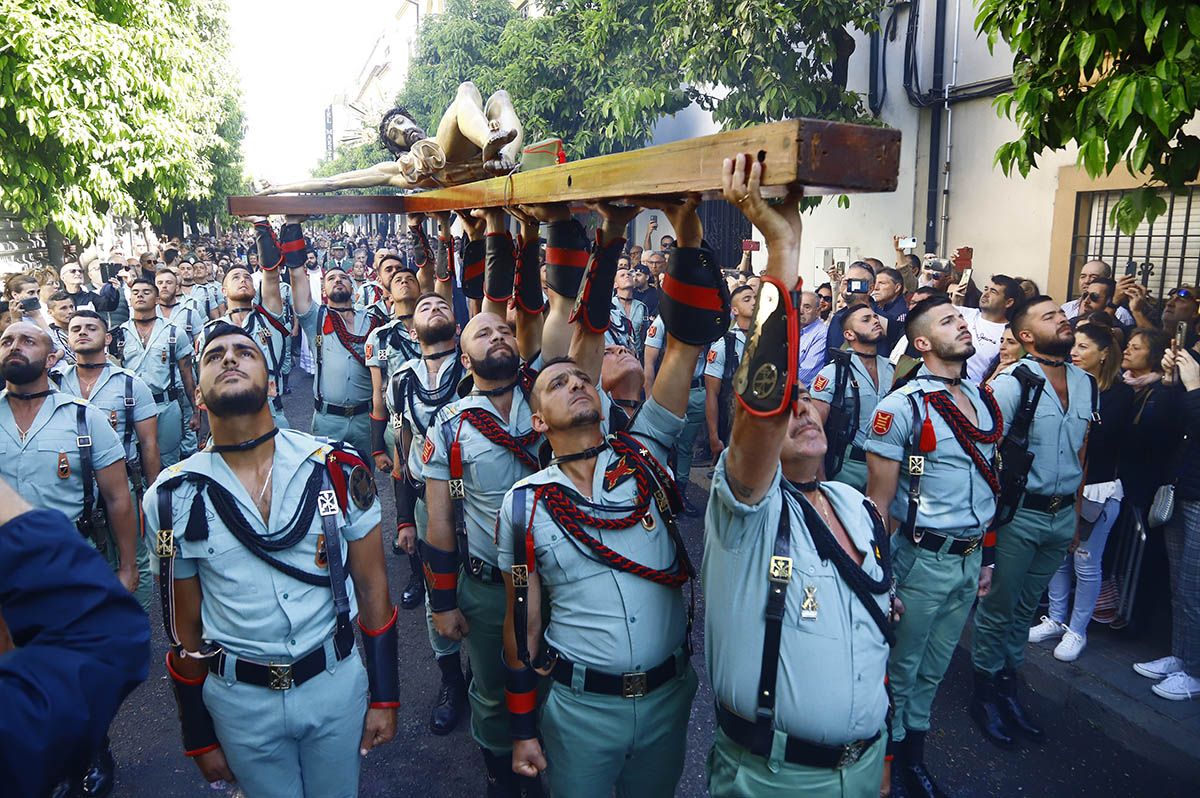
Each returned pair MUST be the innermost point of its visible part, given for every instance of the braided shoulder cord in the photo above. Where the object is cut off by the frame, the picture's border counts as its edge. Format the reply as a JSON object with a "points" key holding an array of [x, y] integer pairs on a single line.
{"points": [[485, 423], [967, 433], [348, 339]]}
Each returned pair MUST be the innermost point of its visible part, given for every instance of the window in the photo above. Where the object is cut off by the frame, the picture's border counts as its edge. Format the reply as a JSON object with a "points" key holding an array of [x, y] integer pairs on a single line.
{"points": [[1170, 246]]}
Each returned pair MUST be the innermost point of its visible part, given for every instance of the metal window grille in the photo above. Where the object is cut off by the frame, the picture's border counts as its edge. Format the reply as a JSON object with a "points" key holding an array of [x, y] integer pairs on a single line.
{"points": [[1171, 245]]}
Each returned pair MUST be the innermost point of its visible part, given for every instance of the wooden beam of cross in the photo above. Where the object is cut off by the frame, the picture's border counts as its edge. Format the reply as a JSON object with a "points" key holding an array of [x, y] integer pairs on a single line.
{"points": [[823, 157]]}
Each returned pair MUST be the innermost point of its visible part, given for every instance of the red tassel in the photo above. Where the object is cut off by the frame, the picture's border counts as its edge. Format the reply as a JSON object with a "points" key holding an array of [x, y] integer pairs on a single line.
{"points": [[328, 328], [456, 469], [928, 437]]}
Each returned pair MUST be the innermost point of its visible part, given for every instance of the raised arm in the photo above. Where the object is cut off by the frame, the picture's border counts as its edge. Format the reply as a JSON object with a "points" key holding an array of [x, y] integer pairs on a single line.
{"points": [[566, 260], [381, 174], [761, 417]]}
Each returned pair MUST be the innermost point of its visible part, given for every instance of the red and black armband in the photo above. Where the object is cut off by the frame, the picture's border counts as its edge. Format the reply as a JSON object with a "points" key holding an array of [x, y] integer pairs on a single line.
{"points": [[406, 502], [422, 249], [378, 439], [521, 698], [473, 267], [765, 379], [199, 736], [566, 257], [383, 672], [527, 282], [594, 302], [695, 300], [501, 267], [293, 245], [441, 576], [445, 260], [989, 547], [270, 255]]}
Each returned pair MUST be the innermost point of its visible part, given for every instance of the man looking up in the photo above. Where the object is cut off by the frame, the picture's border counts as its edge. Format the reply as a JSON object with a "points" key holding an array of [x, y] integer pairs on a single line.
{"points": [[720, 363], [987, 322]]}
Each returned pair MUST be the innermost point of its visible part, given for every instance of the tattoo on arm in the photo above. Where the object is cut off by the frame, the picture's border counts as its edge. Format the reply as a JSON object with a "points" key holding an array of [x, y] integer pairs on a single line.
{"points": [[739, 489]]}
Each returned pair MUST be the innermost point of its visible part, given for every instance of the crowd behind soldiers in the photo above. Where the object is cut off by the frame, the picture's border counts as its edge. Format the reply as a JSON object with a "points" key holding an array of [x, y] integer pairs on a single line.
{"points": [[887, 451]]}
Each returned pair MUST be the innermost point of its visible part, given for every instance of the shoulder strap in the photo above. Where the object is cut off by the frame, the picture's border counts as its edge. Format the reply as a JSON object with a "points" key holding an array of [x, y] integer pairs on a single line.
{"points": [[915, 466], [779, 575], [86, 472], [520, 574], [1031, 393], [128, 437]]}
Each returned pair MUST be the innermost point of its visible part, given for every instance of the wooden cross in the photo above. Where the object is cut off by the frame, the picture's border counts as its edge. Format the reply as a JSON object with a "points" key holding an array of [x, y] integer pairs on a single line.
{"points": [[823, 157]]}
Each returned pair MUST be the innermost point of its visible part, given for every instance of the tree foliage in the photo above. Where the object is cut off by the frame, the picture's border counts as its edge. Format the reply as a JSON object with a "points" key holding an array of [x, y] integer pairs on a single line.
{"points": [[112, 106], [1120, 78]]}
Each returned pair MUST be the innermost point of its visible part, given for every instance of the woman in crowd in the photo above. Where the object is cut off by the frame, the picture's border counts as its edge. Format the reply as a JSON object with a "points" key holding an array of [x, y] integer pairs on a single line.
{"points": [[1097, 353], [1029, 288], [1010, 352], [1155, 417]]}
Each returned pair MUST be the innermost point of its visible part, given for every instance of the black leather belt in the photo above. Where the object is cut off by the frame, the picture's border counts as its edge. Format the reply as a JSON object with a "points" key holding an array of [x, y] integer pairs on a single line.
{"points": [[279, 675], [1048, 504], [698, 382], [858, 454], [171, 394], [628, 685], [933, 541], [348, 411], [797, 751], [484, 571]]}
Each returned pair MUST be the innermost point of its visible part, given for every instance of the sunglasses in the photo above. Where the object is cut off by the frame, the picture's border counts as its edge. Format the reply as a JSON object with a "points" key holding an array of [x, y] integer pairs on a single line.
{"points": [[1094, 297], [1183, 293]]}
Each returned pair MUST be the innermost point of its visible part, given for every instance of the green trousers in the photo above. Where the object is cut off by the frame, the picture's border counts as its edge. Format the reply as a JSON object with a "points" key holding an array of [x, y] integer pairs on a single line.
{"points": [[482, 603], [442, 646], [938, 589], [685, 444], [595, 744], [735, 772], [1028, 552], [853, 473]]}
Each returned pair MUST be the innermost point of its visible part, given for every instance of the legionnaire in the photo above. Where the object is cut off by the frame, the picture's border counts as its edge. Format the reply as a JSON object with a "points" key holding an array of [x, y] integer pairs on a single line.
{"points": [[184, 316], [65, 456], [194, 291], [158, 352], [594, 537], [630, 318], [846, 392], [719, 365], [268, 545], [809, 558], [126, 401], [264, 320], [1033, 536], [366, 292], [682, 454], [337, 335], [937, 430], [207, 290]]}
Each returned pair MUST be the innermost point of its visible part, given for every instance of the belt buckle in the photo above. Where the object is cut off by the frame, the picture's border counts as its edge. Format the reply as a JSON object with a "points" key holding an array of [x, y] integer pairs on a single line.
{"points": [[1055, 504], [83, 441], [918, 535], [974, 544], [476, 567], [851, 753], [279, 676], [633, 685]]}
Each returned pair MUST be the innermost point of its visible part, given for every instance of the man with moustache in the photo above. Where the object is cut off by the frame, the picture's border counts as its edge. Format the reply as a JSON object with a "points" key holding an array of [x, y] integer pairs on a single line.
{"points": [[126, 400], [796, 571], [268, 545], [938, 431], [719, 365], [65, 456], [337, 335], [1031, 546], [160, 353], [812, 333], [864, 377], [615, 645], [260, 311]]}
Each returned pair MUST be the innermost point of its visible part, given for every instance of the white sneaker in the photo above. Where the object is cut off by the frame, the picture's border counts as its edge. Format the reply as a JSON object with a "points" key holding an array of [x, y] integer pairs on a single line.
{"points": [[1160, 668], [1045, 630], [1070, 647], [1178, 687]]}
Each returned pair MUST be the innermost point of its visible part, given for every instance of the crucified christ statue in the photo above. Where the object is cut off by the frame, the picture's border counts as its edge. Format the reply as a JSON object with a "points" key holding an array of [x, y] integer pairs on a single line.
{"points": [[473, 141]]}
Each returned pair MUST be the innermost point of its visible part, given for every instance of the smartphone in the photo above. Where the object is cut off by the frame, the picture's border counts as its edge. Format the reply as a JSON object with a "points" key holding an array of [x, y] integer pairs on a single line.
{"points": [[1130, 268], [908, 243], [654, 219], [966, 277], [1181, 334], [3, 306], [857, 286], [750, 245], [110, 270], [30, 304]]}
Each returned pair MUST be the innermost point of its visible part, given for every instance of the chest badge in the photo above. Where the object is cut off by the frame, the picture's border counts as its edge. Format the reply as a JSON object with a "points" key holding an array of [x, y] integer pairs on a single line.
{"points": [[617, 474], [427, 450], [264, 337], [164, 356], [370, 351], [820, 383], [112, 418], [322, 557], [64, 466], [362, 488], [809, 607]]}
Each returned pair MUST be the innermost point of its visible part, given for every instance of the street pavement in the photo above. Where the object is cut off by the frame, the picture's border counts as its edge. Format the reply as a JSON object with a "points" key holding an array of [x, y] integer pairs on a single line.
{"points": [[1078, 759]]}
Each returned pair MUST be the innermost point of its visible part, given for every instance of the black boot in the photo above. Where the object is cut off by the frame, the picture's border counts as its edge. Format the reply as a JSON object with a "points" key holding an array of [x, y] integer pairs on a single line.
{"points": [[414, 592], [100, 773], [896, 751], [451, 702], [500, 776], [916, 779], [985, 711], [1016, 715]]}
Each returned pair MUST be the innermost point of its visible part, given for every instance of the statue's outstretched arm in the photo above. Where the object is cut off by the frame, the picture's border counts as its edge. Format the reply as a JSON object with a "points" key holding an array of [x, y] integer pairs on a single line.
{"points": [[381, 174]]}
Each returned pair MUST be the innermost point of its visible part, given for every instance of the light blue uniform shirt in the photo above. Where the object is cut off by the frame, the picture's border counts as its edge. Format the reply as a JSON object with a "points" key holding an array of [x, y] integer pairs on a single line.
{"points": [[415, 414], [152, 361], [656, 336], [32, 463], [367, 294], [627, 330], [955, 498], [108, 396], [341, 380], [868, 395], [271, 341], [1057, 433], [390, 346], [831, 668], [601, 617], [250, 608], [714, 361]]}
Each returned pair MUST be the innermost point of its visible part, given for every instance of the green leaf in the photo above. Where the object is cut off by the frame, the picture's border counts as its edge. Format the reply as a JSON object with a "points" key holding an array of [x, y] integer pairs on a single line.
{"points": [[1087, 44], [1193, 20], [1124, 105]]}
